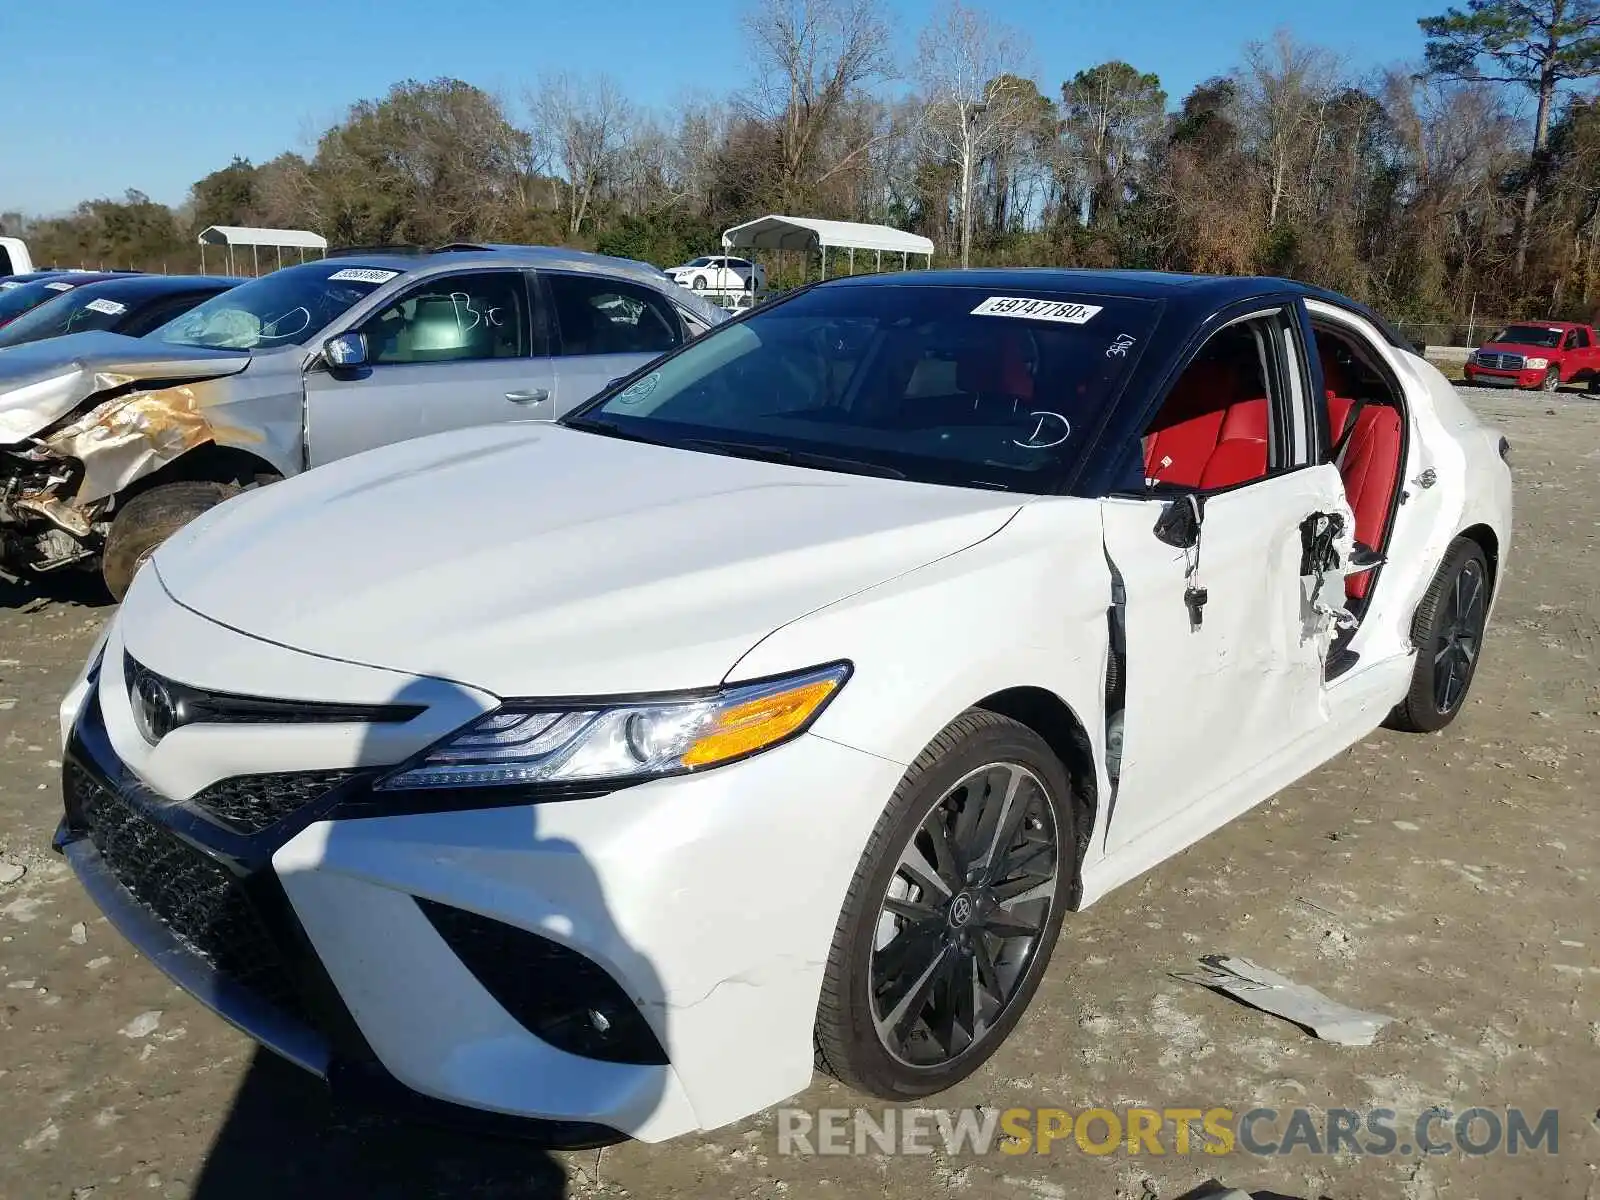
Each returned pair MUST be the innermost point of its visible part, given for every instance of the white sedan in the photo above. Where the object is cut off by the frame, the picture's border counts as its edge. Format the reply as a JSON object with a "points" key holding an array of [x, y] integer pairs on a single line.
{"points": [[720, 274], [784, 701]]}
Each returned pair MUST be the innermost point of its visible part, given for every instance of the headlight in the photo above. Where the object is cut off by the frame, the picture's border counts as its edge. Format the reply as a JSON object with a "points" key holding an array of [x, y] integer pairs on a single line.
{"points": [[670, 735], [1536, 364]]}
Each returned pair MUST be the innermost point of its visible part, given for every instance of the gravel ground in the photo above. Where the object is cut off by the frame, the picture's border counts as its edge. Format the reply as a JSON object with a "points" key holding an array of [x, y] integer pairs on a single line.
{"points": [[1449, 881]]}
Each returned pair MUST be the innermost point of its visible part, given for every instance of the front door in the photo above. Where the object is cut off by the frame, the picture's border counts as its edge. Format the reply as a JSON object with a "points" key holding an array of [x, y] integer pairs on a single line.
{"points": [[1229, 600], [604, 328], [455, 350]]}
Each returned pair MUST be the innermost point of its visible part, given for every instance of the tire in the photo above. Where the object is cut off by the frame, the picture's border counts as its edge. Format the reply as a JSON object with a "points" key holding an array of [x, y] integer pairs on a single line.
{"points": [[149, 519], [698, 283], [1551, 381], [923, 1046], [1448, 633]]}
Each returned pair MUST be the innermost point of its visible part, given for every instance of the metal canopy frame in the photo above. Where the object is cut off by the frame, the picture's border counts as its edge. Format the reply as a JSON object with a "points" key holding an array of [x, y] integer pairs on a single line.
{"points": [[255, 237]]}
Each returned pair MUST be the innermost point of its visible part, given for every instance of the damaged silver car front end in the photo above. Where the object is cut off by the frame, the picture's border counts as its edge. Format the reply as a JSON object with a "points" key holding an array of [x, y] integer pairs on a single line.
{"points": [[83, 418]]}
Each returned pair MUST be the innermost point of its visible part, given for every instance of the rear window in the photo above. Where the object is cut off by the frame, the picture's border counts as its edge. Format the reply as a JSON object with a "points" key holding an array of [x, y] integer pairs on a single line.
{"points": [[74, 311], [940, 384], [23, 297]]}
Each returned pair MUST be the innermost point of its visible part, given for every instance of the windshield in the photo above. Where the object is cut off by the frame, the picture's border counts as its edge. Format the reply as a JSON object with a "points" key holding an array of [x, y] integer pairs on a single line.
{"points": [[286, 308], [15, 301], [1530, 335], [80, 309], [937, 384]]}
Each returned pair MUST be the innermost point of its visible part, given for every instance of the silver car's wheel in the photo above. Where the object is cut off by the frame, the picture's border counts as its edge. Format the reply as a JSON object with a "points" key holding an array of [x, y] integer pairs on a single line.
{"points": [[952, 913]]}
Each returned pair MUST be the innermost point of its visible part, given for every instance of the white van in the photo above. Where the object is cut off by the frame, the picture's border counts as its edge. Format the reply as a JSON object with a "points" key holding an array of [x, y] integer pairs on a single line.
{"points": [[14, 257]]}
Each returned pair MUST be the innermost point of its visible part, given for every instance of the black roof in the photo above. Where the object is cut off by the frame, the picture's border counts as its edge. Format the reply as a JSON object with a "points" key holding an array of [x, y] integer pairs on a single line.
{"points": [[1193, 293], [149, 287]]}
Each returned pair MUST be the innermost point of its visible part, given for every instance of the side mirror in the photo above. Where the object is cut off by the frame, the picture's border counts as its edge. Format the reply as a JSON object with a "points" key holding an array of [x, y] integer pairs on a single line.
{"points": [[1179, 523], [346, 350]]}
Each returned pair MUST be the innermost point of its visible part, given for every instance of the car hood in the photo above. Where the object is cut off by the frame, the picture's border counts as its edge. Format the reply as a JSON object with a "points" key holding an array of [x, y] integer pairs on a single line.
{"points": [[536, 560], [1518, 348], [43, 381]]}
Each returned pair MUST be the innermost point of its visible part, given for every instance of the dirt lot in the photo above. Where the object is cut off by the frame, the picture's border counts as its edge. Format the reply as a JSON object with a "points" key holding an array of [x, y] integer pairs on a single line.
{"points": [[1449, 881]]}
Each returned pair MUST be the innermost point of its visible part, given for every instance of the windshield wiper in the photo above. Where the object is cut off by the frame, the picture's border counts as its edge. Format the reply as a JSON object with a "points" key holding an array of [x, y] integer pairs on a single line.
{"points": [[610, 431], [791, 457]]}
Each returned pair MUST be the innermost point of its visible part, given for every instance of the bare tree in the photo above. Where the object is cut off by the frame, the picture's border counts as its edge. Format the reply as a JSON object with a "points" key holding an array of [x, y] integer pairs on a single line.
{"points": [[977, 99], [583, 124], [811, 57], [1112, 117], [1284, 90]]}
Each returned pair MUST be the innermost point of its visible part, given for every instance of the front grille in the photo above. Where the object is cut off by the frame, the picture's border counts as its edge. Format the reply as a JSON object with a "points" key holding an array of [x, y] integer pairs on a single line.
{"points": [[193, 705], [201, 902], [251, 803], [1501, 362]]}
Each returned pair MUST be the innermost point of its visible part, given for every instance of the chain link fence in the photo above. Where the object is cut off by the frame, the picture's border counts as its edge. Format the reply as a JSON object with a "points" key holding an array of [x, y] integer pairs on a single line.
{"points": [[1462, 335]]}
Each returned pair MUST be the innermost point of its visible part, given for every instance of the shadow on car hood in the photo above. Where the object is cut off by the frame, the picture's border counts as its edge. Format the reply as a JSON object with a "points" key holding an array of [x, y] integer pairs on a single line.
{"points": [[43, 381], [534, 560]]}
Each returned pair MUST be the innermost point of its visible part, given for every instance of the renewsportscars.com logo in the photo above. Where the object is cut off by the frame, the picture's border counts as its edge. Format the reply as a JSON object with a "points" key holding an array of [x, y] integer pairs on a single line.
{"points": [[1161, 1131]]}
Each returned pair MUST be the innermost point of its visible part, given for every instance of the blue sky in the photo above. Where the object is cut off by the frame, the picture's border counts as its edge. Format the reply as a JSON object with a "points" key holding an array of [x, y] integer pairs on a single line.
{"points": [[102, 95]]}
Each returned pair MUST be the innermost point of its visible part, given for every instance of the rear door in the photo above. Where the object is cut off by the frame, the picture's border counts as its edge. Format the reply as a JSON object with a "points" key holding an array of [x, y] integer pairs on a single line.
{"points": [[451, 351], [1225, 623], [603, 328], [1581, 357]]}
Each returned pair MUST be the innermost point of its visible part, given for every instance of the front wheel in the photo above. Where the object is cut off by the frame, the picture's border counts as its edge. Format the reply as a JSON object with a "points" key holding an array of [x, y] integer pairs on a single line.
{"points": [[1551, 381], [1448, 632], [950, 919], [149, 519], [698, 283]]}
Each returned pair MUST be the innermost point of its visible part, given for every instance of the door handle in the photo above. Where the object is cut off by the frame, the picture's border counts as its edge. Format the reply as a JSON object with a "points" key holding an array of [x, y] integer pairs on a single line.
{"points": [[531, 396]]}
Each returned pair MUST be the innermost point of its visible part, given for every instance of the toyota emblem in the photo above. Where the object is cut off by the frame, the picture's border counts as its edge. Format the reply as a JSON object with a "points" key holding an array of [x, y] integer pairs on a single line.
{"points": [[154, 711]]}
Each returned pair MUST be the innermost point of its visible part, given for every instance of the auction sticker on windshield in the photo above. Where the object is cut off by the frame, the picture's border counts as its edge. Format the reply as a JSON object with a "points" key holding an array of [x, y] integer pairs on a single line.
{"points": [[110, 307], [1063, 312], [362, 275]]}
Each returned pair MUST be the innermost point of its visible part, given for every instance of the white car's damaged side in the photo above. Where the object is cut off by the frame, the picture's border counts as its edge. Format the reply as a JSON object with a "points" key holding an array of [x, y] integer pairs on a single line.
{"points": [[784, 703]]}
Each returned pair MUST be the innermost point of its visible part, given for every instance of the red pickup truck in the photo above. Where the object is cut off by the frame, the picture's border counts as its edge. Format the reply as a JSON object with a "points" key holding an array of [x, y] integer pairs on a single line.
{"points": [[1537, 354]]}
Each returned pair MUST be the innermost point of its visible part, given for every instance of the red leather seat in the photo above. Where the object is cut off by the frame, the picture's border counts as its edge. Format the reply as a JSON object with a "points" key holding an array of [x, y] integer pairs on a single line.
{"points": [[1210, 433], [996, 368], [1370, 467]]}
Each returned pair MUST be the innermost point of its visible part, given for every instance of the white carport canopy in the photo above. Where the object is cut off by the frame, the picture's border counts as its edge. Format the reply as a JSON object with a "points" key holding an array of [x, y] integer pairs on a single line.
{"points": [[254, 237], [775, 232]]}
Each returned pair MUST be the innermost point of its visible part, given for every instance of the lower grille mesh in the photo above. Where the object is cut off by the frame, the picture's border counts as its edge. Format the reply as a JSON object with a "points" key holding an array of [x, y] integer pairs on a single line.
{"points": [[251, 803], [203, 905]]}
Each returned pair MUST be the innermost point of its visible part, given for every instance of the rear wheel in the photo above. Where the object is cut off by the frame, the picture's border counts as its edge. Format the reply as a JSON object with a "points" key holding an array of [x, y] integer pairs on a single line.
{"points": [[1448, 632], [951, 917], [149, 519]]}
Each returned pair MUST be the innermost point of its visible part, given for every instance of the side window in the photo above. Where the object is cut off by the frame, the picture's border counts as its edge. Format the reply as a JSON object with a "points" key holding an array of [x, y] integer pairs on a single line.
{"points": [[453, 318], [1214, 430], [596, 314], [1580, 339], [5, 261]]}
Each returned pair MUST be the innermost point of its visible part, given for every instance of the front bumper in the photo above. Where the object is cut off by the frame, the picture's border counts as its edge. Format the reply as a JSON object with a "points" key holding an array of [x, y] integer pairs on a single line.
{"points": [[1487, 377], [710, 899]]}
